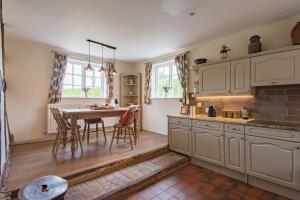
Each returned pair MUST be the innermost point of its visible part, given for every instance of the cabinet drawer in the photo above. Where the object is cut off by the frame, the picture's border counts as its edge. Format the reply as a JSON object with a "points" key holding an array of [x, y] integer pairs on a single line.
{"points": [[180, 121], [234, 128], [273, 133], [208, 125]]}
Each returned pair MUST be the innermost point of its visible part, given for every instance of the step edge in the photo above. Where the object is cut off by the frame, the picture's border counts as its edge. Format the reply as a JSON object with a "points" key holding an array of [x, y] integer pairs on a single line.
{"points": [[181, 163]]}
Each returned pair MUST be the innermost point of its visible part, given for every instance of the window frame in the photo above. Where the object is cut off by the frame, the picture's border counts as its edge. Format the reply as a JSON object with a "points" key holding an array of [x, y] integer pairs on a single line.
{"points": [[155, 79], [84, 75]]}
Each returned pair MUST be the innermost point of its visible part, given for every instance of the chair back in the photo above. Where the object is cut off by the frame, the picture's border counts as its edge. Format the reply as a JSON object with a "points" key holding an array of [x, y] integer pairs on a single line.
{"points": [[57, 115], [134, 110]]}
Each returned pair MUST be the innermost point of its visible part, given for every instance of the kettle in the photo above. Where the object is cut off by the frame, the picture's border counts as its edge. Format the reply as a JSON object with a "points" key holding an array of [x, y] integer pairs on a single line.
{"points": [[245, 113]]}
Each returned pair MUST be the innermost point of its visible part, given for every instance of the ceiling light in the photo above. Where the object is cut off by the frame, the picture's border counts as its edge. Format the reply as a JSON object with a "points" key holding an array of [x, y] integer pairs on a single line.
{"points": [[89, 67]]}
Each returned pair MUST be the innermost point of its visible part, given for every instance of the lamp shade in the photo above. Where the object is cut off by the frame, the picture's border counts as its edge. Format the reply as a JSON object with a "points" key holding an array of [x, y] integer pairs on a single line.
{"points": [[89, 68]]}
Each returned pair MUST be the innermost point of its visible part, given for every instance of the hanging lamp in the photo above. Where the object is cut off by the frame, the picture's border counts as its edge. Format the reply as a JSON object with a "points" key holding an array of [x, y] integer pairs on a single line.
{"points": [[89, 68], [113, 70], [101, 70]]}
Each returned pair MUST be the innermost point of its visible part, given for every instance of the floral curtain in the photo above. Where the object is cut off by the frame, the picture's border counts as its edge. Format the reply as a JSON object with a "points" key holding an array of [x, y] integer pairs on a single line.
{"points": [[59, 69], [181, 62], [109, 81], [147, 86]]}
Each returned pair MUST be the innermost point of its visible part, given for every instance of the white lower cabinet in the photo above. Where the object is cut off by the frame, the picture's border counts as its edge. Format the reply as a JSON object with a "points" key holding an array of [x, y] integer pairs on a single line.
{"points": [[235, 151], [208, 145], [180, 139], [273, 160]]}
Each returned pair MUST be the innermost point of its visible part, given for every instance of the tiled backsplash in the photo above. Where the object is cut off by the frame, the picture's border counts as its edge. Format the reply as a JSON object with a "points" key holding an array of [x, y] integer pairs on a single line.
{"points": [[275, 103]]}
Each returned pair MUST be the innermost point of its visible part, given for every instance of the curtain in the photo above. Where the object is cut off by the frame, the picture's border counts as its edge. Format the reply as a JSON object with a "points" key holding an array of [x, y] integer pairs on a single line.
{"points": [[181, 62], [59, 69], [147, 86], [109, 81]]}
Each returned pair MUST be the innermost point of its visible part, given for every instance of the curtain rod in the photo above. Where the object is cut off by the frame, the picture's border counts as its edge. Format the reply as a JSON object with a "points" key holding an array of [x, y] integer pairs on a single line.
{"points": [[157, 60], [102, 44]]}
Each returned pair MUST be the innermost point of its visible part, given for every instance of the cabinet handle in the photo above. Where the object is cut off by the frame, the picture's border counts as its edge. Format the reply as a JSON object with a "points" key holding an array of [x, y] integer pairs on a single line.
{"points": [[273, 82]]}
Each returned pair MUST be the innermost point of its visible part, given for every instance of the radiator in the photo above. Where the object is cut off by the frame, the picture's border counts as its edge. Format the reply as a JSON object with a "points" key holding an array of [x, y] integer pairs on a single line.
{"points": [[51, 123]]}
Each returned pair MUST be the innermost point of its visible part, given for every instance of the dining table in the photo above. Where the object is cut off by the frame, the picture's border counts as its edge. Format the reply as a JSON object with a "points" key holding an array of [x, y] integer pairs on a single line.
{"points": [[86, 113]]}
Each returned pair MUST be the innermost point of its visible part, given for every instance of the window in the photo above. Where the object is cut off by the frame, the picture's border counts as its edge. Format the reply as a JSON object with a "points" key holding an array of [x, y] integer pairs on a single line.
{"points": [[165, 78], [77, 80]]}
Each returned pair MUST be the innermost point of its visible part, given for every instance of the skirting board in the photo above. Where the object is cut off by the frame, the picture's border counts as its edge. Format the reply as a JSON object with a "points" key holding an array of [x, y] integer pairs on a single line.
{"points": [[266, 185]]}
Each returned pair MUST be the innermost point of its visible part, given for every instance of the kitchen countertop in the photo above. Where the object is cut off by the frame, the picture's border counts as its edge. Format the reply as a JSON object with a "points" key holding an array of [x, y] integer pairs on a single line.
{"points": [[249, 122]]}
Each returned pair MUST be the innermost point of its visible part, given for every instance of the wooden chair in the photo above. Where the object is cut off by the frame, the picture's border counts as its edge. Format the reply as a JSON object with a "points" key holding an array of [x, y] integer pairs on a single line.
{"points": [[88, 122], [125, 131], [63, 126]]}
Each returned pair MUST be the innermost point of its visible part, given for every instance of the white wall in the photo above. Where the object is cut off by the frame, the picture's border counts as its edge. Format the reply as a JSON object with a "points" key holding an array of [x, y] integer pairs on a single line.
{"points": [[28, 72], [274, 35]]}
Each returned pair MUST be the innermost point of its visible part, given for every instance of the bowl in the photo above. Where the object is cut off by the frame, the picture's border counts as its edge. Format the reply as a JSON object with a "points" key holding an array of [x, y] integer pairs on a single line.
{"points": [[200, 61]]}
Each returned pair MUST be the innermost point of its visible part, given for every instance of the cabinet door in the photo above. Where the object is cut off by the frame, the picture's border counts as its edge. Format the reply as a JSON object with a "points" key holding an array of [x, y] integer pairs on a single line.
{"points": [[235, 151], [180, 139], [276, 69], [240, 76], [208, 145], [214, 79], [273, 160]]}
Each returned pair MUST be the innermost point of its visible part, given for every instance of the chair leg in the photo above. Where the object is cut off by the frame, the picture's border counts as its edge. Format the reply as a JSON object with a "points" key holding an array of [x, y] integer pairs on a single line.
{"points": [[56, 140], [129, 130], [97, 130], [118, 135], [103, 129], [64, 134], [84, 130], [113, 136], [88, 134], [79, 140], [125, 132], [134, 135]]}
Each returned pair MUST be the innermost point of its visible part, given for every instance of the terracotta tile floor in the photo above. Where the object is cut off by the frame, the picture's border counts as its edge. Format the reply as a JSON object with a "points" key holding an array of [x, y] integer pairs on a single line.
{"points": [[197, 183], [109, 183]]}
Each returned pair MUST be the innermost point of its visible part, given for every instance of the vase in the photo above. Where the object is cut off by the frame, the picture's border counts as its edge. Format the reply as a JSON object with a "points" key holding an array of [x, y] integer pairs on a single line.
{"points": [[255, 44]]}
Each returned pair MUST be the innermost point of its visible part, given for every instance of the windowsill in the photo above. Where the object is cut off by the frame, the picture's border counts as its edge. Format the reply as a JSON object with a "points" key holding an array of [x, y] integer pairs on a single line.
{"points": [[165, 98], [80, 98]]}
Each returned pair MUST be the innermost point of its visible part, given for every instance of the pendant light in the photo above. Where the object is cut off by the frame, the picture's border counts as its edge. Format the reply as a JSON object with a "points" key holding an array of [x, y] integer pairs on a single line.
{"points": [[89, 68], [113, 70], [101, 70]]}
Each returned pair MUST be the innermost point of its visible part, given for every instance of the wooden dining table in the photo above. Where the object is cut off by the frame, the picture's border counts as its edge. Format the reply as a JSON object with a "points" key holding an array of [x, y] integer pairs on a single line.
{"points": [[85, 113]]}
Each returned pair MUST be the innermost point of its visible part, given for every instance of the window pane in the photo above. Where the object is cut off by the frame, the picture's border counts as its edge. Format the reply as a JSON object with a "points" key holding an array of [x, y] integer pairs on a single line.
{"points": [[77, 80], [177, 90], [68, 79], [69, 68], [98, 74], [67, 90], [89, 82], [77, 69], [94, 92], [98, 82], [89, 73]]}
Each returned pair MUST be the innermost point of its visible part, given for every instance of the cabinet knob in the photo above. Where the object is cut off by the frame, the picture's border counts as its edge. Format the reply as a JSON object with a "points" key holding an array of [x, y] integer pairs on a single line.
{"points": [[297, 148], [242, 138]]}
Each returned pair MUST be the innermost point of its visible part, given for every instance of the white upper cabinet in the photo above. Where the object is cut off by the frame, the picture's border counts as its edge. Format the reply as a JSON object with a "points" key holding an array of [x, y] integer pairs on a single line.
{"points": [[276, 69], [214, 79], [240, 76]]}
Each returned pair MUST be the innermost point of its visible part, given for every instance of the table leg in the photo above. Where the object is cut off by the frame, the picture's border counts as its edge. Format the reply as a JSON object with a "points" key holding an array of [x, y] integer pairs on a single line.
{"points": [[73, 134]]}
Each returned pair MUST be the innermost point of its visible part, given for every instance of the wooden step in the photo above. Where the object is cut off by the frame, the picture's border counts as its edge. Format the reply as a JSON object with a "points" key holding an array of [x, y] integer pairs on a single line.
{"points": [[126, 181], [109, 167]]}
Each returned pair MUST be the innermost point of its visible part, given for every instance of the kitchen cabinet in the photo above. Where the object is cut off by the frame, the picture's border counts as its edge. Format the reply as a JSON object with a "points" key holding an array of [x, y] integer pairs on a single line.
{"points": [[276, 69], [180, 138], [240, 76], [235, 151], [214, 79], [273, 160], [208, 145]]}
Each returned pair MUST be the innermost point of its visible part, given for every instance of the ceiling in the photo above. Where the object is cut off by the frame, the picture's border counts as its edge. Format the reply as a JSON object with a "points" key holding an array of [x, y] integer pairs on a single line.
{"points": [[138, 28]]}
